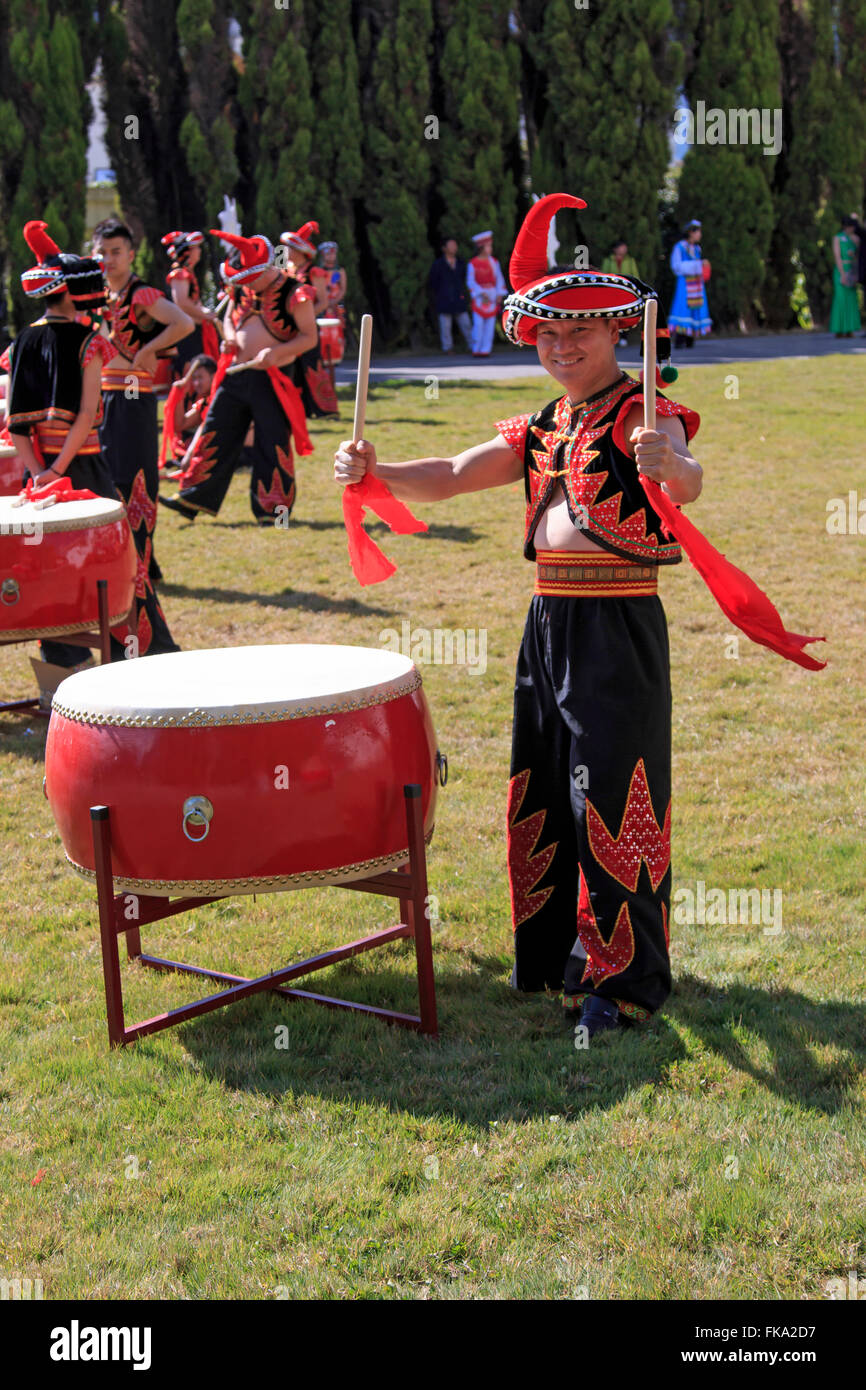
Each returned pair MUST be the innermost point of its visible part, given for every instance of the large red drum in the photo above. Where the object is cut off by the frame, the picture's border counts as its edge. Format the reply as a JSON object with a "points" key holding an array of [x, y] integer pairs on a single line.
{"points": [[242, 770], [11, 470], [332, 340], [50, 560]]}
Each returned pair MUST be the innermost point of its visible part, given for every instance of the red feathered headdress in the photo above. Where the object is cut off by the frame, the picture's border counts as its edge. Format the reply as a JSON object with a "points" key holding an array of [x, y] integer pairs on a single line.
{"points": [[256, 255], [301, 239], [48, 276], [541, 294]]}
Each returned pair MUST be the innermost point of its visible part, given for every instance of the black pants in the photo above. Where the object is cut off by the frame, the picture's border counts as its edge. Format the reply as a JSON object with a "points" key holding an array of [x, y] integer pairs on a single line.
{"points": [[90, 471], [243, 399], [589, 801], [129, 443], [313, 380]]}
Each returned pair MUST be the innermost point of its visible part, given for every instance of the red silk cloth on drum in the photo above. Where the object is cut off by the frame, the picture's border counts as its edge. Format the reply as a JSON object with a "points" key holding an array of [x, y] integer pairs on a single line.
{"points": [[61, 489], [738, 596], [369, 564]]}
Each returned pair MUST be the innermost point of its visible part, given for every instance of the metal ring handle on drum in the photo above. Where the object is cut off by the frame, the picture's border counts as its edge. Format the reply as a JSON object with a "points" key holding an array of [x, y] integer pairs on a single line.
{"points": [[198, 811], [441, 768], [9, 586]]}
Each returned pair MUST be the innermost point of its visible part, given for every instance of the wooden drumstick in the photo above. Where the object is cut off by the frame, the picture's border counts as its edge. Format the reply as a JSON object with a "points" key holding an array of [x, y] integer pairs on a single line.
{"points": [[650, 315], [363, 378]]}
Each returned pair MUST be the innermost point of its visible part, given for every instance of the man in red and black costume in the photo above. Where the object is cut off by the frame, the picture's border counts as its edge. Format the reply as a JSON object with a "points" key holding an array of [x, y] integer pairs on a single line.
{"points": [[270, 322], [309, 372], [589, 805], [141, 325], [55, 408], [184, 248]]}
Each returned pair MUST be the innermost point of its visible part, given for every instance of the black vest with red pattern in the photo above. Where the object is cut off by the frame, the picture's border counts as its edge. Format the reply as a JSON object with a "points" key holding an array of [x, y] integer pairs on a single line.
{"points": [[125, 332], [271, 305], [583, 448]]}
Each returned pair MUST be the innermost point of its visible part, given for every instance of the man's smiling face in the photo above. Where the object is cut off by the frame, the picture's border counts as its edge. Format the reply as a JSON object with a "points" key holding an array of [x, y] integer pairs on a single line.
{"points": [[579, 353]]}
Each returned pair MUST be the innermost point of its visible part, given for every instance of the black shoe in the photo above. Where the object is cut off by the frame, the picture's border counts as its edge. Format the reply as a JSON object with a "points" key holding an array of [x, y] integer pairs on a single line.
{"points": [[174, 504], [598, 1015]]}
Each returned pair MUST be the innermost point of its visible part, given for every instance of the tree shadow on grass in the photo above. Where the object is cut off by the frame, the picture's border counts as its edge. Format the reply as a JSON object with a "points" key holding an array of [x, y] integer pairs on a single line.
{"points": [[507, 1056], [295, 599]]}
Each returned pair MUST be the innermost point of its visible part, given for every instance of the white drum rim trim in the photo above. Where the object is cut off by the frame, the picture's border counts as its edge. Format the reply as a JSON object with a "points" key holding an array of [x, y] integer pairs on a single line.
{"points": [[57, 516], [78, 694]]}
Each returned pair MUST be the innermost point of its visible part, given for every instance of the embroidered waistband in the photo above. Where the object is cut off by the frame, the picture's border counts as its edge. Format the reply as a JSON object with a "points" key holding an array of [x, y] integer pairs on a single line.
{"points": [[119, 378], [596, 576]]}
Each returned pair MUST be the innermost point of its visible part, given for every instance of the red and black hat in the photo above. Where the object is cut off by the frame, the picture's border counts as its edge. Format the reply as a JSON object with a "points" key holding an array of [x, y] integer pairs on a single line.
{"points": [[58, 270], [301, 239], [541, 294], [255, 255], [179, 244]]}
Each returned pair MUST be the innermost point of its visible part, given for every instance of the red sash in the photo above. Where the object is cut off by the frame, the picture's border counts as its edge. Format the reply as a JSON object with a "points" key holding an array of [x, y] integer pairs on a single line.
{"points": [[738, 596]]}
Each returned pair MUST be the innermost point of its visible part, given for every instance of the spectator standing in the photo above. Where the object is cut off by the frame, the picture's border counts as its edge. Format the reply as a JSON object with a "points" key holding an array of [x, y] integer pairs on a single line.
{"points": [[450, 296]]}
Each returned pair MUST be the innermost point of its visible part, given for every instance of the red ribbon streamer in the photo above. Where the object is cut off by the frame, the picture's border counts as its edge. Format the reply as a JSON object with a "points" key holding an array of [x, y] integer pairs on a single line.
{"points": [[369, 564], [169, 433], [738, 596], [210, 339], [289, 398]]}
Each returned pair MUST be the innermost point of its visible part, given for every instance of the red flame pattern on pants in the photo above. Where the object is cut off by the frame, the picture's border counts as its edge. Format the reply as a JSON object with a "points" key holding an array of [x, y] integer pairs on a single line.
{"points": [[640, 838], [525, 868]]}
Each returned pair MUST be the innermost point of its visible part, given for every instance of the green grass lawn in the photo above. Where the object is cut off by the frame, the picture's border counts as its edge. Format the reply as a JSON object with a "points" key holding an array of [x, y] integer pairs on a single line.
{"points": [[719, 1152]]}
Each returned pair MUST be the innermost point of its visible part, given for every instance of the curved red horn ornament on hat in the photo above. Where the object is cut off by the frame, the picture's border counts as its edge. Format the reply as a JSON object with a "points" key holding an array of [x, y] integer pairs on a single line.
{"points": [[529, 257], [40, 243], [541, 294], [257, 254]]}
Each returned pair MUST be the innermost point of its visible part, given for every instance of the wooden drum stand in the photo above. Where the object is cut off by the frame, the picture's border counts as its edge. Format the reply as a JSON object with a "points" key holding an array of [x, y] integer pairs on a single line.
{"points": [[409, 885]]}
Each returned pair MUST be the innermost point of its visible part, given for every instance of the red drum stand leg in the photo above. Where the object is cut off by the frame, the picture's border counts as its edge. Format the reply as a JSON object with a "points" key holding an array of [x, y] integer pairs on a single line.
{"points": [[409, 885]]}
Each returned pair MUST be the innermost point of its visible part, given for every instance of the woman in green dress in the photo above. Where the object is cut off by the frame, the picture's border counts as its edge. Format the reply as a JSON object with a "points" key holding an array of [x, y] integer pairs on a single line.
{"points": [[845, 313]]}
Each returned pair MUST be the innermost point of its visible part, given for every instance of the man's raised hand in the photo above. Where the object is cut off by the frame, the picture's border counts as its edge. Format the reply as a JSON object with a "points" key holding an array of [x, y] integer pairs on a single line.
{"points": [[352, 461]]}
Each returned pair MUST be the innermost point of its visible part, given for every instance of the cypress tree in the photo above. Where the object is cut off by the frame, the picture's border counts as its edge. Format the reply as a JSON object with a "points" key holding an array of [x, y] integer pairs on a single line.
{"points": [[399, 124], [728, 186], [612, 73], [43, 135], [476, 158], [145, 102], [207, 134], [276, 99], [336, 162]]}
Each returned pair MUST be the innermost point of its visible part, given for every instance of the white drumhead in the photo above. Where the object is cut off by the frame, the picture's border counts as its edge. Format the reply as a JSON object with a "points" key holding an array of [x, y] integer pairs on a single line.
{"points": [[328, 323], [7, 450], [60, 516], [235, 685]]}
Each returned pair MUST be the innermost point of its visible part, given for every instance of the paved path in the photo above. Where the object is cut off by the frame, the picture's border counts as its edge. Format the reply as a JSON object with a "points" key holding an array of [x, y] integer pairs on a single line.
{"points": [[523, 362]]}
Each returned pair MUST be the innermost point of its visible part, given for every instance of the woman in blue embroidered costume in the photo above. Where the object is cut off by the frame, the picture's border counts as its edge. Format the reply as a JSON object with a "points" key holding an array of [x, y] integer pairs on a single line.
{"points": [[689, 317]]}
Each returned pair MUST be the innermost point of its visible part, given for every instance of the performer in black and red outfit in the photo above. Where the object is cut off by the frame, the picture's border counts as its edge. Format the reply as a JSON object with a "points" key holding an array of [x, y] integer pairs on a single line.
{"points": [[184, 249], [589, 805], [55, 407], [310, 374], [270, 322], [141, 325]]}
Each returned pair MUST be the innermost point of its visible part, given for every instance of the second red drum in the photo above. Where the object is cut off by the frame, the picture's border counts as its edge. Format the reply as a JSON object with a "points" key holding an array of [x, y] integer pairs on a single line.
{"points": [[243, 769]]}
